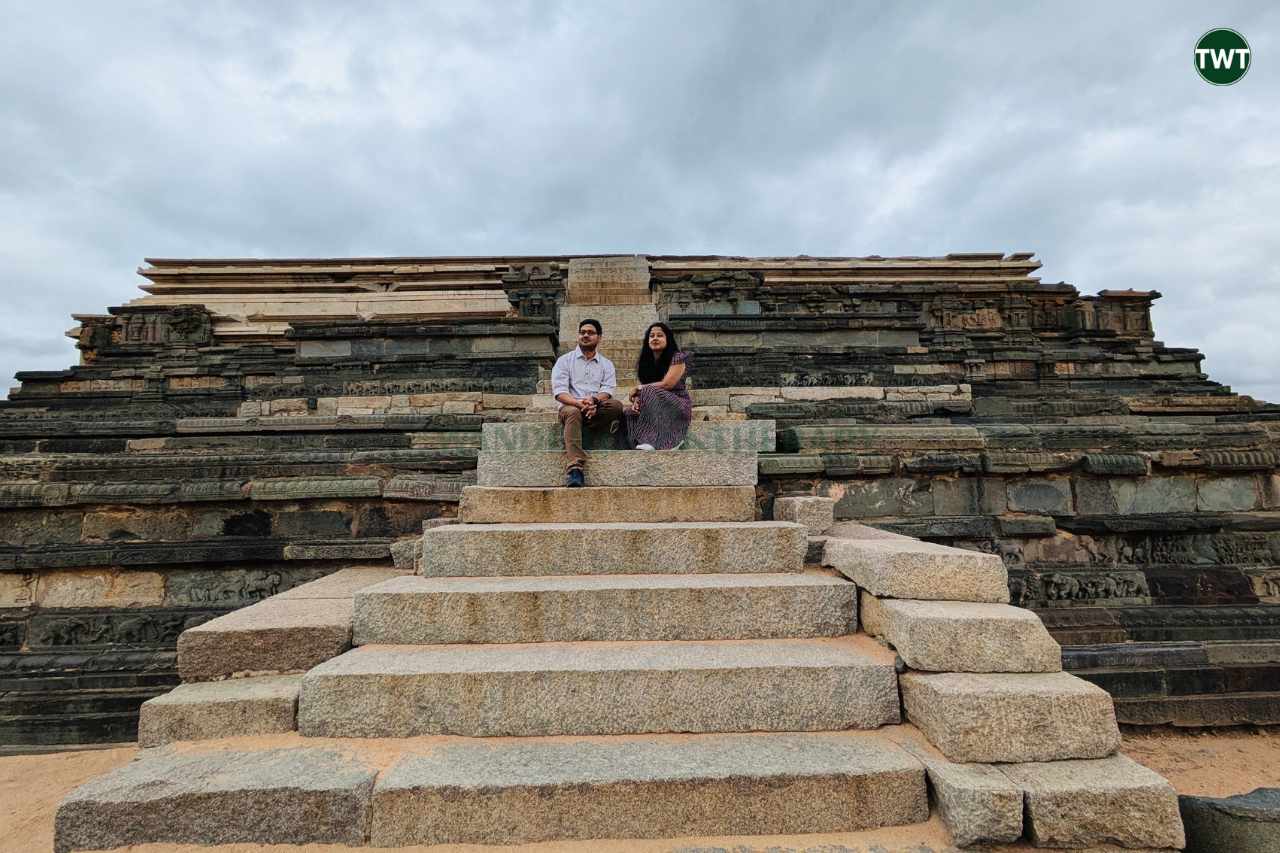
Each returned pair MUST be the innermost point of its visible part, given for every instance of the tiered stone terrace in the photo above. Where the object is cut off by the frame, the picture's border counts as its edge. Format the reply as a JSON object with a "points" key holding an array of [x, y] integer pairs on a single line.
{"points": [[250, 426], [634, 676]]}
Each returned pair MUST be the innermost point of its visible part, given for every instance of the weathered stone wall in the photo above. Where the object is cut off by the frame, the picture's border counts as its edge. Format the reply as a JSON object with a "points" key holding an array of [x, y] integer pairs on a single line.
{"points": [[199, 459], [171, 478]]}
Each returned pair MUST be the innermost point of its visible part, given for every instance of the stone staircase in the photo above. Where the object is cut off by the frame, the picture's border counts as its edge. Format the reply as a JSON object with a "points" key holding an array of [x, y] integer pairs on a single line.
{"points": [[640, 659]]}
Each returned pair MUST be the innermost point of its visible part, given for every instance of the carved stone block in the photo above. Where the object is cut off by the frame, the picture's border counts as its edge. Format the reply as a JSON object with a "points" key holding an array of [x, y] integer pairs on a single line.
{"points": [[1041, 496], [300, 488], [790, 465], [98, 589], [856, 464], [229, 588], [1227, 494], [882, 497], [1117, 464]]}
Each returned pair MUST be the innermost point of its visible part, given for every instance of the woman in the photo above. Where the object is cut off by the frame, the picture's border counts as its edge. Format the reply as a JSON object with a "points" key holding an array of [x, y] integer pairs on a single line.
{"points": [[660, 406]]}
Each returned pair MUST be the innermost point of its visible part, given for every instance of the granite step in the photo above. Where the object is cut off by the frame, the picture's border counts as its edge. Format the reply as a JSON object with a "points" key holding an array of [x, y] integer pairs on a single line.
{"points": [[1008, 717], [908, 568], [601, 688], [289, 632], [487, 505], [545, 468], [962, 636], [417, 610], [519, 550], [635, 787], [388, 793], [1087, 804], [1106, 801], [718, 436], [170, 795], [217, 709]]}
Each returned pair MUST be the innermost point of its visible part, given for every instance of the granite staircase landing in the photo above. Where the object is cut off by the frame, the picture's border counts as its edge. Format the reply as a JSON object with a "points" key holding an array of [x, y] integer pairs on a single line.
{"points": [[630, 676]]}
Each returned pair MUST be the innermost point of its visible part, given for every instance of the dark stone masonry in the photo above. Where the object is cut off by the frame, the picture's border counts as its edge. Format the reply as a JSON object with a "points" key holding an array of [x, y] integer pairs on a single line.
{"points": [[249, 426]]}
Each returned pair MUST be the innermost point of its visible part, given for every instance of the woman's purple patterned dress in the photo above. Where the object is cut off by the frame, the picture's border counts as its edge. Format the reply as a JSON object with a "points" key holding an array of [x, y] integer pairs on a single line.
{"points": [[664, 416]]}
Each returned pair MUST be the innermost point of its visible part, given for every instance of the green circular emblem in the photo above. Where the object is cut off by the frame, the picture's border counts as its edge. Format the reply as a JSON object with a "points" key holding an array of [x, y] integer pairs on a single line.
{"points": [[1222, 57]]}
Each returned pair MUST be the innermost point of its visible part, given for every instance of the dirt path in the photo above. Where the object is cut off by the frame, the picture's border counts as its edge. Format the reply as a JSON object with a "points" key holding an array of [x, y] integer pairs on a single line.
{"points": [[32, 785], [1214, 764]]}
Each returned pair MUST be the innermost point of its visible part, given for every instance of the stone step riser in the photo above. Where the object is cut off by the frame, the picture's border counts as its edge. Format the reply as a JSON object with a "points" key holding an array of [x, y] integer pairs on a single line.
{"points": [[911, 569], [730, 437], [481, 550], [528, 791], [961, 636], [271, 796], [237, 706], [541, 469], [670, 789], [1003, 718], [600, 689], [483, 505], [717, 607], [514, 704]]}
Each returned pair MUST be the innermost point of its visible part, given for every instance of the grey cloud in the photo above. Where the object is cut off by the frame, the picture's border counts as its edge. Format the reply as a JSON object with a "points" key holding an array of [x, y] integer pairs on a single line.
{"points": [[230, 129]]}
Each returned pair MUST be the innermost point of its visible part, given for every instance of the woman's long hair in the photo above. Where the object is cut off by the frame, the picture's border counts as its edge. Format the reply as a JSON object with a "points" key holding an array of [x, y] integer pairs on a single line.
{"points": [[650, 368]]}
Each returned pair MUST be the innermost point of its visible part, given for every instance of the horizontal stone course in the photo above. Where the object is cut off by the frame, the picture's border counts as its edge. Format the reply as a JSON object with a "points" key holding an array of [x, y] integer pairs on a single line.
{"points": [[1007, 717], [533, 790], [809, 439], [620, 468], [488, 504], [511, 550], [217, 709], [719, 436], [342, 584], [600, 688], [604, 607]]}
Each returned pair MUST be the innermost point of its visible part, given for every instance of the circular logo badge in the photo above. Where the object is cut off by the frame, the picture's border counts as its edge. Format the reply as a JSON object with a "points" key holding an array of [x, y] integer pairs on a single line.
{"points": [[1222, 57]]}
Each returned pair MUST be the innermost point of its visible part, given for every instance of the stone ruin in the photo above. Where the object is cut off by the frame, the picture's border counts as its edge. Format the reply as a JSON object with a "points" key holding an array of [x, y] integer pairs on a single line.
{"points": [[249, 428]]}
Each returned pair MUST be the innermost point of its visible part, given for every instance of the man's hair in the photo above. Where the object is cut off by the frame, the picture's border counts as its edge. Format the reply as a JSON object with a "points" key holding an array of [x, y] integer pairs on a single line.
{"points": [[590, 322]]}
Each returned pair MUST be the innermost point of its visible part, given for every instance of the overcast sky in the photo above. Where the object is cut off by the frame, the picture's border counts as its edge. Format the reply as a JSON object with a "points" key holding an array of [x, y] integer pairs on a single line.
{"points": [[220, 129]]}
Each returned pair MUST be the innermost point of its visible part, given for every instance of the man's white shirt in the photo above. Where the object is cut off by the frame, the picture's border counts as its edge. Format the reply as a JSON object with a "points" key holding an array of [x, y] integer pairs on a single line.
{"points": [[581, 377]]}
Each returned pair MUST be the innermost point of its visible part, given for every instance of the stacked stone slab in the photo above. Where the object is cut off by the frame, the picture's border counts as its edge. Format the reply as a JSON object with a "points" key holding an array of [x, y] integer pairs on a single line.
{"points": [[983, 683], [614, 291], [216, 446], [594, 644], [594, 656]]}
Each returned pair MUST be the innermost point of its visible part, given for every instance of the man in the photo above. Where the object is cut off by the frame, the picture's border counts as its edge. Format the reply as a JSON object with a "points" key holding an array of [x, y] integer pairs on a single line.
{"points": [[583, 382]]}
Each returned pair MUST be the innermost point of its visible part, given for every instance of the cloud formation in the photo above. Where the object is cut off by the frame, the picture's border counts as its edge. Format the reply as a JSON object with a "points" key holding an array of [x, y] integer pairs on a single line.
{"points": [[827, 128]]}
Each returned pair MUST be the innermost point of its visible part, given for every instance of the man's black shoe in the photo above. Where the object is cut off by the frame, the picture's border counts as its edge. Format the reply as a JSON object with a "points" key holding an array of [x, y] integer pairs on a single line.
{"points": [[574, 478]]}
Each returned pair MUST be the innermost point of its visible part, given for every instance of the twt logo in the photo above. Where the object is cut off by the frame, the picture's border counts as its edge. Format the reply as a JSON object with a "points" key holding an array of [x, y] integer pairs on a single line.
{"points": [[1222, 57]]}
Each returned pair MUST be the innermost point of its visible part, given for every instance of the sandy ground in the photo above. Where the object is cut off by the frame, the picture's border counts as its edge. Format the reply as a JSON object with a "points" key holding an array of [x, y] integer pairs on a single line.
{"points": [[1214, 764]]}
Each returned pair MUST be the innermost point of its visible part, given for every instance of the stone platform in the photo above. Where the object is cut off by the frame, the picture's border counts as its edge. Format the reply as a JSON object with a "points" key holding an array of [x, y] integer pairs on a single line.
{"points": [[566, 680], [214, 448]]}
